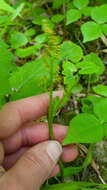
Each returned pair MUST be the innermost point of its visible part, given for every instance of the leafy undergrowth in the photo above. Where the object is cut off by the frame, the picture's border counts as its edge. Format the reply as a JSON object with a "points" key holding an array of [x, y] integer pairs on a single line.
{"points": [[61, 44]]}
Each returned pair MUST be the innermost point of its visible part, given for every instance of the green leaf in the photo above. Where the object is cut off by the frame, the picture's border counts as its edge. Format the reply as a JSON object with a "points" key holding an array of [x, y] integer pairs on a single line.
{"points": [[29, 80], [41, 38], [84, 128], [91, 31], [87, 11], [68, 67], [87, 69], [89, 102], [25, 52], [101, 90], [57, 18], [6, 66], [100, 109], [80, 4], [104, 29], [57, 4], [71, 171], [18, 10], [18, 39], [99, 14], [91, 64], [6, 60], [91, 189], [30, 32], [72, 186], [6, 7], [72, 16], [71, 51], [77, 89], [4, 19], [105, 129], [69, 78]]}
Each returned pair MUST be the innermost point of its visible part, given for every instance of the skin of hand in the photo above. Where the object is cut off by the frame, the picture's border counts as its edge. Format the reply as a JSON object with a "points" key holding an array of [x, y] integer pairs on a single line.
{"points": [[26, 153]]}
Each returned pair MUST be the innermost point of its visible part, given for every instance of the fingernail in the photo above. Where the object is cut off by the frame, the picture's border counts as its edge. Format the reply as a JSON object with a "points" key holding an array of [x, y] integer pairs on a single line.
{"points": [[54, 150]]}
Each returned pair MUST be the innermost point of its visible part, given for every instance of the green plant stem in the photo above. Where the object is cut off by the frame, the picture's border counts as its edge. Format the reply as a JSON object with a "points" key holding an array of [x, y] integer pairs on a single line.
{"points": [[88, 88], [50, 120], [50, 117], [61, 170]]}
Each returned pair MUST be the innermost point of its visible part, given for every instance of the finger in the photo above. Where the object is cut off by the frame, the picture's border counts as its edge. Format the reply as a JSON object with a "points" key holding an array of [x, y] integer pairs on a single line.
{"points": [[1, 153], [2, 171], [14, 114], [36, 165], [32, 134], [69, 154]]}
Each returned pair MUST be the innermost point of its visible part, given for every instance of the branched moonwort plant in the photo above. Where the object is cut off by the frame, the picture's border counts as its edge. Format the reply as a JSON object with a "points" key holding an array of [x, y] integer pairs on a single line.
{"points": [[52, 53]]}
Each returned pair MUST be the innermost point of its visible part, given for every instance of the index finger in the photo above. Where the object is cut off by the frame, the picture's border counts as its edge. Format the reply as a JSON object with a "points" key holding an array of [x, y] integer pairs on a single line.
{"points": [[14, 114]]}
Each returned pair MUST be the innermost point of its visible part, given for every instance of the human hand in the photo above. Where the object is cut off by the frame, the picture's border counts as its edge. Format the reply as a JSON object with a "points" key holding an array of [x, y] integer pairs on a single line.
{"points": [[30, 158]]}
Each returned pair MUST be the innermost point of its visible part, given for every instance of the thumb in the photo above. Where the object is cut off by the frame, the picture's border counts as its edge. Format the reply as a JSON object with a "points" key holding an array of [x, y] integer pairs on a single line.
{"points": [[34, 167]]}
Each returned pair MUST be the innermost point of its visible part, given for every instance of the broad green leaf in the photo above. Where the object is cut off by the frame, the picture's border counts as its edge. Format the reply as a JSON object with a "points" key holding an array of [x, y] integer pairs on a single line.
{"points": [[6, 7], [77, 89], [100, 110], [4, 19], [91, 64], [17, 11], [71, 51], [41, 38], [71, 171], [104, 29], [84, 128], [99, 14], [29, 80], [92, 189], [70, 5], [30, 32], [105, 129], [18, 39], [87, 11], [101, 90], [72, 16], [3, 44], [57, 18], [80, 4], [71, 80], [68, 67], [68, 70], [89, 102], [6, 66], [25, 52], [57, 4], [39, 11], [6, 60], [91, 31], [88, 68], [72, 186]]}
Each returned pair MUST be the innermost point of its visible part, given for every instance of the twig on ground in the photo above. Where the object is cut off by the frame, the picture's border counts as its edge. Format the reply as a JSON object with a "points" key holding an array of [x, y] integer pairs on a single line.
{"points": [[93, 163]]}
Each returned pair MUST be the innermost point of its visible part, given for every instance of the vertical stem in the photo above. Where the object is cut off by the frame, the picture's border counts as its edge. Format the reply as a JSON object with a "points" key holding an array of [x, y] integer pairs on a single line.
{"points": [[61, 170], [64, 8], [50, 120], [64, 12], [89, 80], [50, 116]]}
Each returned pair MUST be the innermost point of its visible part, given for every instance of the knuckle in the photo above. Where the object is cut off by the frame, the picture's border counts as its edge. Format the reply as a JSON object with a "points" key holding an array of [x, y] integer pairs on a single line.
{"points": [[37, 161]]}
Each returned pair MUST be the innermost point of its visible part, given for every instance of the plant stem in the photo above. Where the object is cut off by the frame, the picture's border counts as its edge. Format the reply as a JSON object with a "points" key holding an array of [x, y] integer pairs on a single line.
{"points": [[50, 116], [50, 119], [88, 88], [61, 170]]}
